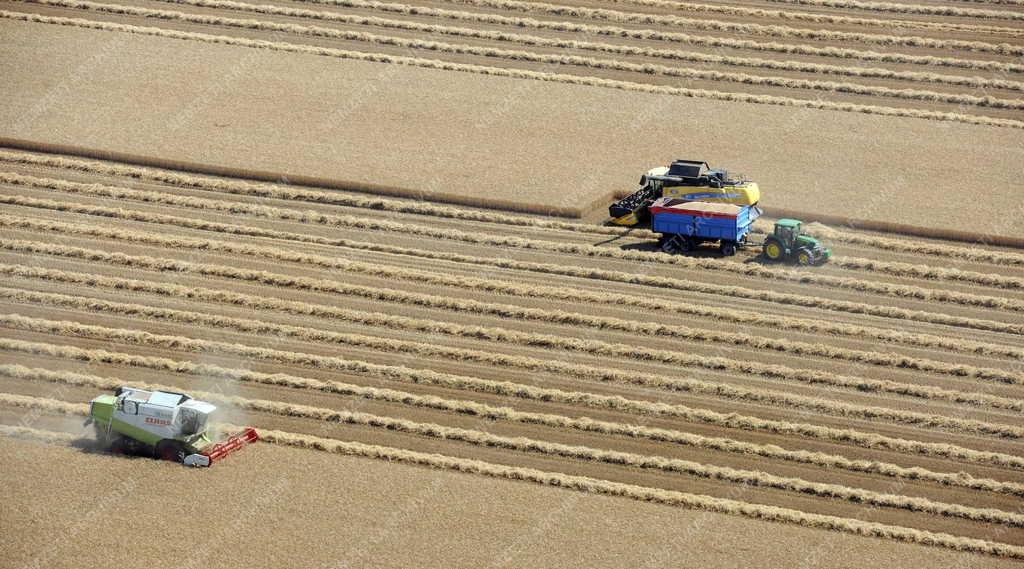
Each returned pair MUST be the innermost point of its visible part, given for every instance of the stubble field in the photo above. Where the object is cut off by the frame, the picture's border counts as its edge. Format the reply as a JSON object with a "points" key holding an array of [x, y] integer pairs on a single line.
{"points": [[408, 101], [438, 384], [878, 396]]}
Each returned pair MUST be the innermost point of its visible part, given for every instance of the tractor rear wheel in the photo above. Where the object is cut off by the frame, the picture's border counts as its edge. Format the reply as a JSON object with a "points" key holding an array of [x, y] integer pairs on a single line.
{"points": [[170, 450], [805, 257], [728, 248], [773, 250]]}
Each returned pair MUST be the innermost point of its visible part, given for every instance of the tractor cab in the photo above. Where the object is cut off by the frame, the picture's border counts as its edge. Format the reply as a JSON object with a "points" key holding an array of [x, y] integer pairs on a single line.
{"points": [[788, 242], [787, 230]]}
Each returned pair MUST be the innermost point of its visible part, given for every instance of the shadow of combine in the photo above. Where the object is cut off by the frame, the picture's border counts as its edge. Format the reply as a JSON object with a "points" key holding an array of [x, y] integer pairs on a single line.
{"points": [[89, 445]]}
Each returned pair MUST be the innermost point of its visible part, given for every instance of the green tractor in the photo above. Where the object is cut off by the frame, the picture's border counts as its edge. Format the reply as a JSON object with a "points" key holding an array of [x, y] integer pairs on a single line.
{"points": [[789, 243]]}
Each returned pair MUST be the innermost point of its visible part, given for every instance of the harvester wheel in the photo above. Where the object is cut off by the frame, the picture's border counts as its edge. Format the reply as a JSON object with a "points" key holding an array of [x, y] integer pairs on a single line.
{"points": [[773, 250], [118, 446], [805, 257], [170, 450], [728, 248]]}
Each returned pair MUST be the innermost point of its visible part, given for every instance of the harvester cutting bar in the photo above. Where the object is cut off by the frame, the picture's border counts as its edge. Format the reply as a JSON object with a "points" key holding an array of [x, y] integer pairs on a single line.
{"points": [[222, 449]]}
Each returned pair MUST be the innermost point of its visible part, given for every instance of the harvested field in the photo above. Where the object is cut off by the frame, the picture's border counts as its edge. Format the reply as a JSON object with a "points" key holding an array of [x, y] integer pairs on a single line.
{"points": [[437, 504], [374, 231], [903, 99], [888, 409]]}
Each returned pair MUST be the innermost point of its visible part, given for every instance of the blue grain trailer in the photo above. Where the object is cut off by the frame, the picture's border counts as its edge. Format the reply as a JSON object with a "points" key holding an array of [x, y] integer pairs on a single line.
{"points": [[684, 225]]}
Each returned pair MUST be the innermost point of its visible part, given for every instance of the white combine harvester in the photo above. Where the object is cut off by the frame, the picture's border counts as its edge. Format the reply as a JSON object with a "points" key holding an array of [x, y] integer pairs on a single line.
{"points": [[167, 425]]}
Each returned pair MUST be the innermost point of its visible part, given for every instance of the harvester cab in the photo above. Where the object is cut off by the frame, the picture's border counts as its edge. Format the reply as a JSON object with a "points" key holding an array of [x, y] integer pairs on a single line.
{"points": [[168, 425], [788, 242]]}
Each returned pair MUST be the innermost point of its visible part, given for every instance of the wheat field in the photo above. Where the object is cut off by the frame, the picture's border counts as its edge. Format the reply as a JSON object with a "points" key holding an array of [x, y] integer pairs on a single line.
{"points": [[837, 110], [879, 396], [447, 375]]}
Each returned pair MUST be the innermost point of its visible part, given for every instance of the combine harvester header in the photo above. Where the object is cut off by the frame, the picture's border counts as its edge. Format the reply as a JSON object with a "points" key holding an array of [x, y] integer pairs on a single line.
{"points": [[167, 425]]}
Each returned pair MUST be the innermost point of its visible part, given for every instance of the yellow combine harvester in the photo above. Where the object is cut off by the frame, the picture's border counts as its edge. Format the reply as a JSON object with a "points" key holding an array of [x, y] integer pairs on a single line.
{"points": [[690, 180]]}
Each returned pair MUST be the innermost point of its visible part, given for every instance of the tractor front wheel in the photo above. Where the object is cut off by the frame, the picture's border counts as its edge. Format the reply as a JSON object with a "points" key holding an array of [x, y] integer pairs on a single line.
{"points": [[170, 450], [805, 257], [773, 250]]}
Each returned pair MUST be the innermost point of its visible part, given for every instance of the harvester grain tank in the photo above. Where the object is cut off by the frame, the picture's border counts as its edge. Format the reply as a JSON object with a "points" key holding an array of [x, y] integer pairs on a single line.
{"points": [[685, 225], [691, 180], [167, 425]]}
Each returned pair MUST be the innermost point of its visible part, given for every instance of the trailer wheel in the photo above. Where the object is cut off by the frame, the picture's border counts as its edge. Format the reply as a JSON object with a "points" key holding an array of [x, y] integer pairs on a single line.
{"points": [[687, 244], [668, 244], [728, 248], [170, 450]]}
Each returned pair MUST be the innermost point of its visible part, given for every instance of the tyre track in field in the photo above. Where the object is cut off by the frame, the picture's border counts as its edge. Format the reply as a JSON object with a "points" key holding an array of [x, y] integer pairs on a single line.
{"points": [[933, 249], [631, 407], [715, 391], [977, 495], [639, 69], [363, 202], [504, 391], [904, 270], [713, 42], [424, 312], [378, 320], [591, 485], [526, 388], [516, 73], [929, 478], [968, 20], [600, 47], [903, 8], [996, 106], [522, 445], [562, 293], [775, 31], [825, 12], [404, 325], [550, 316], [748, 270]]}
